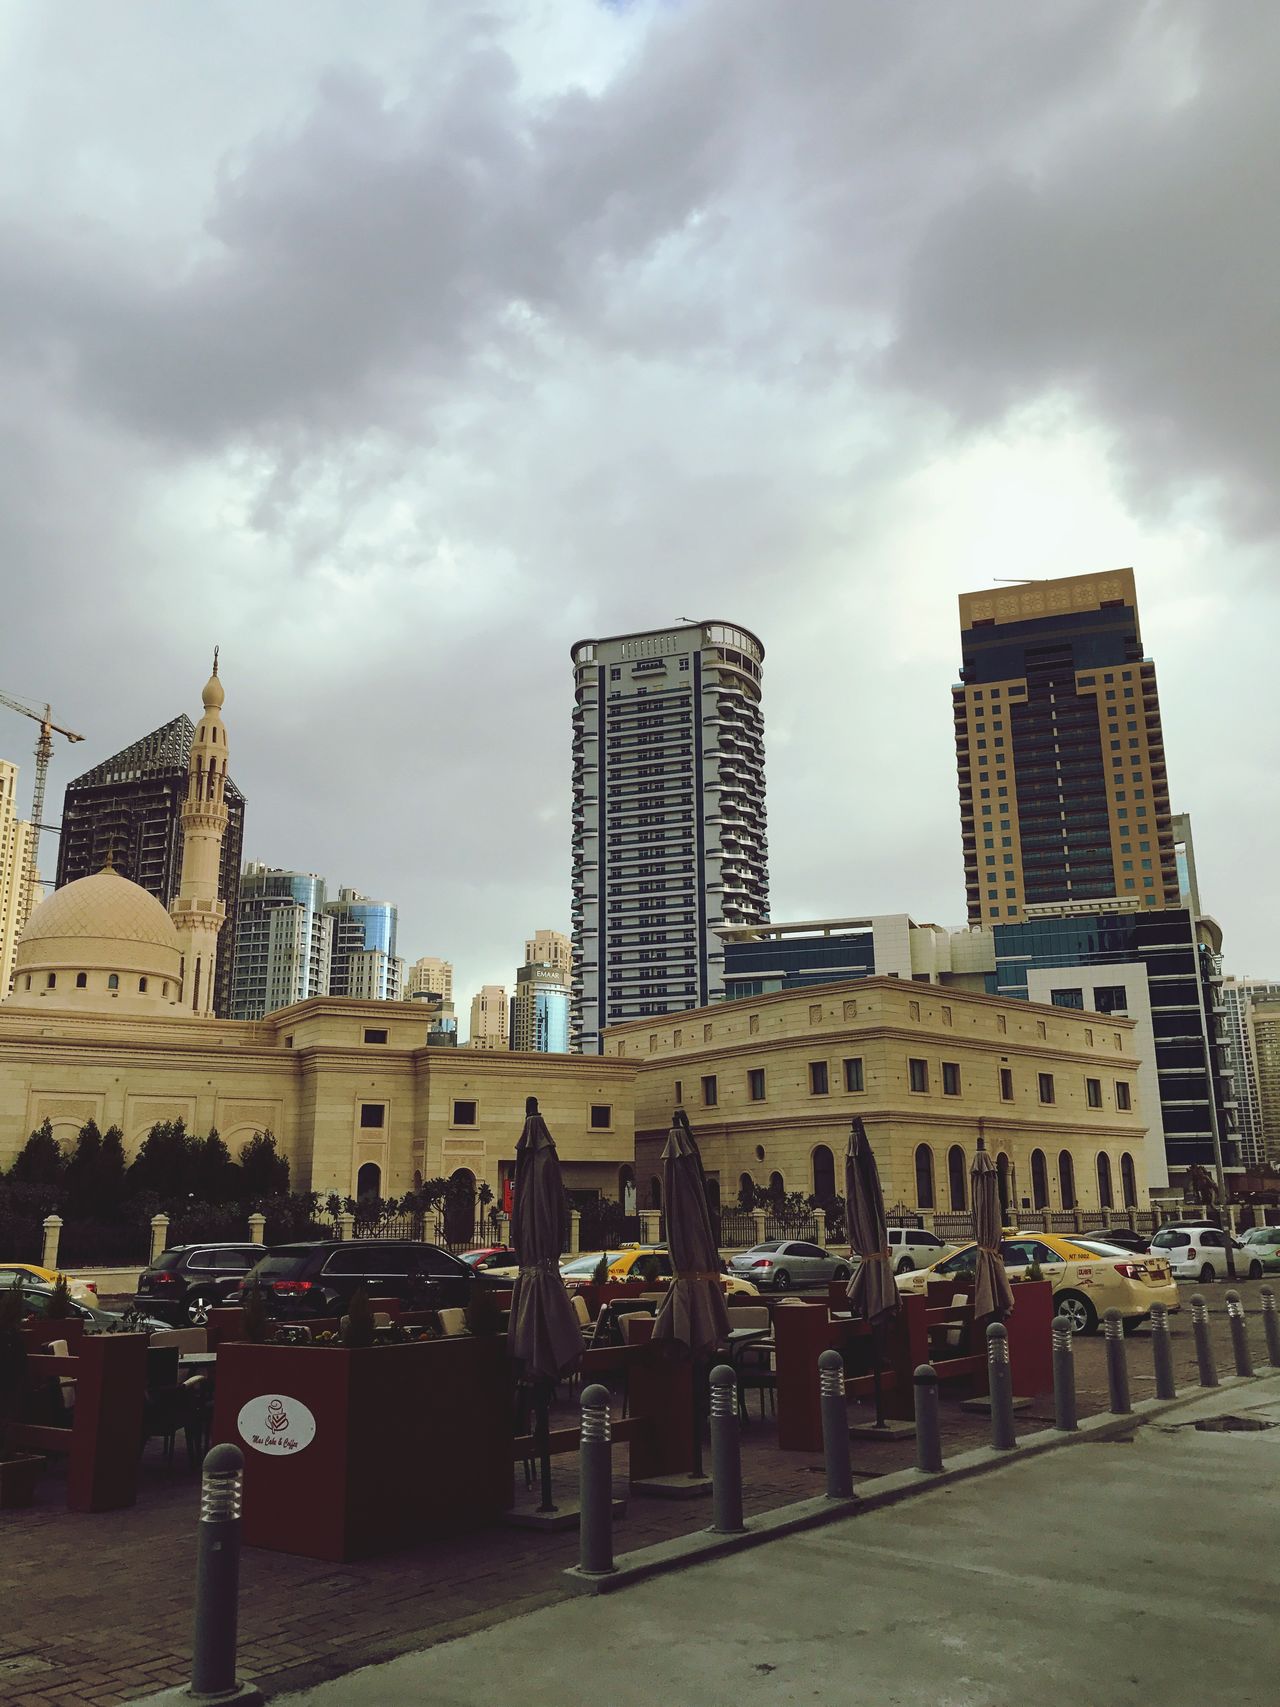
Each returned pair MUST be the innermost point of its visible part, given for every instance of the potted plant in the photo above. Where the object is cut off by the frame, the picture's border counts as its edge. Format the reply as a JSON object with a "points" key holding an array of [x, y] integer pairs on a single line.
{"points": [[18, 1470]]}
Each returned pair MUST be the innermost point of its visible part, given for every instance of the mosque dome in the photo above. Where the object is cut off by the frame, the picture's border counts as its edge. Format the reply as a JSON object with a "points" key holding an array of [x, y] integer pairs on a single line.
{"points": [[99, 942]]}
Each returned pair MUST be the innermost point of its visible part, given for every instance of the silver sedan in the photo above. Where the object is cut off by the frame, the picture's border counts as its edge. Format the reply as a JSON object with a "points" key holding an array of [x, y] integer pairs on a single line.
{"points": [[779, 1264]]}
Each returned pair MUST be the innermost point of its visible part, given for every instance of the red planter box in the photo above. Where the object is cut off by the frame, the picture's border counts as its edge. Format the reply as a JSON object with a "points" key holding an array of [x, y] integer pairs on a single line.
{"points": [[378, 1448]]}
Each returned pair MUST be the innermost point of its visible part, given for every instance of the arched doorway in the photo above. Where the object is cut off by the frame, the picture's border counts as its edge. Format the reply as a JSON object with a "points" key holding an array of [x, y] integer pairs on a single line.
{"points": [[776, 1188], [1004, 1185], [713, 1196], [1128, 1181], [655, 1193], [824, 1175], [460, 1208], [956, 1177], [627, 1189], [417, 1181], [369, 1181], [1067, 1179], [1039, 1180], [1106, 1196], [924, 1177], [746, 1192]]}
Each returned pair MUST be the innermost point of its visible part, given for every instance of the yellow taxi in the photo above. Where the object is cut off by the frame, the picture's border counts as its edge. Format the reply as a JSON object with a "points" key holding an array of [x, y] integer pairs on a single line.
{"points": [[642, 1262], [83, 1291], [1086, 1282]]}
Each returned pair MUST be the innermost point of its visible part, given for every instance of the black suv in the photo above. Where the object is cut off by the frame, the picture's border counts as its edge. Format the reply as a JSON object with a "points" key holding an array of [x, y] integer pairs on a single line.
{"points": [[320, 1277], [183, 1284]]}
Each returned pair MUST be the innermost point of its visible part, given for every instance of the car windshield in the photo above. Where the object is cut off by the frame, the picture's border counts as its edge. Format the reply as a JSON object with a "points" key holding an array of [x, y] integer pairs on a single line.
{"points": [[1101, 1248], [768, 1245], [169, 1259], [1166, 1241], [283, 1264], [588, 1265]]}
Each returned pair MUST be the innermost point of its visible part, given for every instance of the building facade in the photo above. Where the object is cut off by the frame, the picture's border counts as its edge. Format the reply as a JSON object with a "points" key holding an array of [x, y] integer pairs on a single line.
{"points": [[669, 834], [127, 812], [762, 959], [1264, 1019], [550, 948], [359, 925], [15, 836], [540, 1009], [429, 976], [1239, 998], [489, 1018], [1064, 794], [284, 940], [770, 1086]]}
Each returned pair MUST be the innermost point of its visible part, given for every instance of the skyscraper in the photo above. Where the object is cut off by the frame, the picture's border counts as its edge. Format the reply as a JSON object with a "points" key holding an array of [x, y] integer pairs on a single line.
{"points": [[1063, 790], [540, 1009], [364, 948], [550, 948], [127, 811], [14, 833], [489, 1018], [430, 976], [284, 942], [1240, 996], [668, 818]]}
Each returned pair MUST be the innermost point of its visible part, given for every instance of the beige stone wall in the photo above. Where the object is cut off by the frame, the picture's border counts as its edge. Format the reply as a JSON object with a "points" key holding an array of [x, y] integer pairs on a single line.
{"points": [[885, 1024]]}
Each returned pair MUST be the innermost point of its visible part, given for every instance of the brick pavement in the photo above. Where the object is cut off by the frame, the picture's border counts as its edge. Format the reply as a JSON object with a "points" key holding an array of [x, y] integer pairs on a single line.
{"points": [[97, 1609]]}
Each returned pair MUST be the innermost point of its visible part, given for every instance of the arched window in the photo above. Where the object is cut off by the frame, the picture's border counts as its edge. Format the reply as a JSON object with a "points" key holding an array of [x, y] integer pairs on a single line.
{"points": [[1105, 1195], [1039, 1180], [369, 1180], [924, 1177], [1004, 1185], [165, 990], [627, 1189], [113, 981], [655, 1193], [460, 1207], [51, 981], [824, 1174], [746, 1192], [142, 986], [417, 1179], [776, 1187], [713, 1196], [956, 1176], [1128, 1181], [1067, 1179], [82, 980], [28, 982]]}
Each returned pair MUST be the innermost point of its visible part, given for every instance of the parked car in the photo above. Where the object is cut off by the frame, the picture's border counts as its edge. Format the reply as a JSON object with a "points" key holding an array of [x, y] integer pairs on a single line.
{"points": [[83, 1291], [1124, 1238], [780, 1264], [913, 1247], [1198, 1251], [1085, 1282], [493, 1256], [37, 1297], [320, 1277], [187, 1281], [1262, 1244], [647, 1261]]}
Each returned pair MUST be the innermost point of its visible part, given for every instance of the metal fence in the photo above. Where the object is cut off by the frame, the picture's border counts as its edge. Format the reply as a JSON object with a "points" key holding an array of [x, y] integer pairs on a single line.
{"points": [[790, 1226], [737, 1229], [953, 1224], [454, 1235]]}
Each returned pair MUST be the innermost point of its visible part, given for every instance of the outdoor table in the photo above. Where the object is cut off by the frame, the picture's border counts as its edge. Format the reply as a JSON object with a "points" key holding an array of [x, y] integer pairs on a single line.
{"points": [[197, 1359]]}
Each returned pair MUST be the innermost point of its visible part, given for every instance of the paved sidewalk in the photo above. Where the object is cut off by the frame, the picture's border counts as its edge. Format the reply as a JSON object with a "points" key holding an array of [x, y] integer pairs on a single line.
{"points": [[1056, 1578]]}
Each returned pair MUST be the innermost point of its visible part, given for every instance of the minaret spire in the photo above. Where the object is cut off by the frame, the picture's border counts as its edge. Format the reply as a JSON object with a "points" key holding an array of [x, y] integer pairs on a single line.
{"points": [[198, 910]]}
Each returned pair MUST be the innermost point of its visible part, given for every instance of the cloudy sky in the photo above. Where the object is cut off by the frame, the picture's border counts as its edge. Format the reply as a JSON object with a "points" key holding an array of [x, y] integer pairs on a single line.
{"points": [[394, 348]]}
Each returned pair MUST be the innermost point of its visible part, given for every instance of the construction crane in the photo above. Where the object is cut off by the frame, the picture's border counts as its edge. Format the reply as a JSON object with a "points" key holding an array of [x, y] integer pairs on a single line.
{"points": [[44, 752]]}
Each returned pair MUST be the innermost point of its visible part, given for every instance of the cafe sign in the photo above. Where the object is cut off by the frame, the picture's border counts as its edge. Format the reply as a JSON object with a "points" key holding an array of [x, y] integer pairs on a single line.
{"points": [[276, 1424]]}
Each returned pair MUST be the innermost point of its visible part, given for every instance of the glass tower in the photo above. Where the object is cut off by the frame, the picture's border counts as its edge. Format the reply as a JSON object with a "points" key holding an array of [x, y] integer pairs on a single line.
{"points": [[284, 942], [364, 948]]}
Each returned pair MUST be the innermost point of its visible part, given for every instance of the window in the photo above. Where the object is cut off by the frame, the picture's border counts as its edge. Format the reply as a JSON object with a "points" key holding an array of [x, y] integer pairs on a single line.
{"points": [[374, 1035], [1128, 1180], [918, 1074], [113, 981], [1067, 998], [924, 1177], [824, 1174], [51, 981], [755, 1084], [601, 1116], [853, 1074], [1067, 1179], [142, 986], [82, 980], [1124, 1096], [951, 1078], [679, 1093], [1106, 1196], [1039, 1180], [464, 1113], [1093, 1092], [375, 1113], [1006, 1084], [709, 1091], [1046, 1087], [956, 1176], [818, 1086]]}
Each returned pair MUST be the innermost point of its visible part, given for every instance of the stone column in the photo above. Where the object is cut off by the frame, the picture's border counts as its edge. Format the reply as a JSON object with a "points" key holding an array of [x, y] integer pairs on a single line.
{"points": [[926, 1219], [52, 1234], [1046, 1220], [819, 1226], [258, 1229], [159, 1234], [757, 1218], [346, 1225], [650, 1226], [1131, 1215], [502, 1221], [575, 1232]]}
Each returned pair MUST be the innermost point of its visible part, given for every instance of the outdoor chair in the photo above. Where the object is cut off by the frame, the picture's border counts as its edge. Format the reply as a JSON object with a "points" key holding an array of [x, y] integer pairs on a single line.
{"points": [[169, 1405], [66, 1383], [754, 1317], [753, 1365], [631, 1322], [452, 1321]]}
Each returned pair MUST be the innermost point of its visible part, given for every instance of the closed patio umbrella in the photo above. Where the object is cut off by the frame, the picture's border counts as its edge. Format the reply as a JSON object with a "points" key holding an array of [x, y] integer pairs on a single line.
{"points": [[872, 1289], [992, 1293], [543, 1332]]}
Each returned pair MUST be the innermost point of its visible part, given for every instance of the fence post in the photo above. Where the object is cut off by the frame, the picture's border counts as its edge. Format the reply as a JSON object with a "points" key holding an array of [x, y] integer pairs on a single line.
{"points": [[1239, 1334], [926, 1220], [213, 1660], [1204, 1346], [928, 1428], [1162, 1353], [1131, 1215], [757, 1221], [820, 1226], [1117, 1364], [258, 1228], [726, 1453], [1000, 1388], [650, 1226], [1046, 1220], [575, 1232], [502, 1223], [1064, 1376], [159, 1234], [835, 1426], [1271, 1326], [52, 1234], [595, 1503], [346, 1225]]}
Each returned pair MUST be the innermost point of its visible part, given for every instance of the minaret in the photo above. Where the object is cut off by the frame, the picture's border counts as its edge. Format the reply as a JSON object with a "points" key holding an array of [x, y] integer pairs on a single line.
{"points": [[197, 910]]}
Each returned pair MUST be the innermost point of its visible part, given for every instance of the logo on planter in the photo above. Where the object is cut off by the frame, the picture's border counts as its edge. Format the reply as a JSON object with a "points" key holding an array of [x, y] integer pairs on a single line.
{"points": [[276, 1424]]}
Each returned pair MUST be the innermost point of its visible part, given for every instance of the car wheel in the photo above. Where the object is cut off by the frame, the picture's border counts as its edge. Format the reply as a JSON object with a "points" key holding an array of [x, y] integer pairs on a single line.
{"points": [[782, 1280], [841, 1274], [905, 1266], [198, 1310], [1079, 1311], [1255, 1271], [1207, 1274]]}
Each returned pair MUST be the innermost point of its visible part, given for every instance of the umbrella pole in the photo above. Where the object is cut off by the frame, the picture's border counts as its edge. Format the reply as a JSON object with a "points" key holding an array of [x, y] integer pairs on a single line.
{"points": [[698, 1371], [877, 1351], [542, 1405]]}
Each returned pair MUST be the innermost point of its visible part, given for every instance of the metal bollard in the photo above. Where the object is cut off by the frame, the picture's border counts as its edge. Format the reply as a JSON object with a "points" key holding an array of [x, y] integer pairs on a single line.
{"points": [[726, 1453], [1271, 1326], [1000, 1387], [595, 1457], [1239, 1334], [1117, 1362], [835, 1426], [928, 1426], [1204, 1346], [1162, 1353], [213, 1660], [1064, 1376]]}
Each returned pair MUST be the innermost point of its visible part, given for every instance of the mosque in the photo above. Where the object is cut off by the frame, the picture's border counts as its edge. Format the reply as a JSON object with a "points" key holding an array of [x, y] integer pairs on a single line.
{"points": [[110, 1018]]}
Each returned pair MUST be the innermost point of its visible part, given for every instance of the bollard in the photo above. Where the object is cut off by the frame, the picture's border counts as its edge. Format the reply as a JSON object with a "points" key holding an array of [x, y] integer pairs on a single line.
{"points": [[1271, 1326], [1117, 1362], [1204, 1347], [1064, 1376], [928, 1427], [595, 1460], [726, 1454], [1162, 1353], [1000, 1387], [835, 1426], [213, 1660], [1239, 1334]]}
